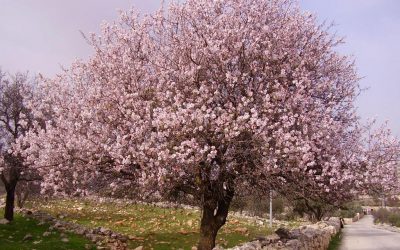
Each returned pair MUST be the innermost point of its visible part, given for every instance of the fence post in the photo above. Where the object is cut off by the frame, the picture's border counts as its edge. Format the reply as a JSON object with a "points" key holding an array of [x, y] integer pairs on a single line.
{"points": [[270, 208]]}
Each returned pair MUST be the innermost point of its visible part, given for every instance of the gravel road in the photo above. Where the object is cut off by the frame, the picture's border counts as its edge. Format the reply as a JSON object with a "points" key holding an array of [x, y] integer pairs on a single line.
{"points": [[363, 235]]}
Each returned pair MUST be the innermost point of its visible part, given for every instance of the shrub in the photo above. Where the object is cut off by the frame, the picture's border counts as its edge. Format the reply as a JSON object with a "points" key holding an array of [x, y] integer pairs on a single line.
{"points": [[258, 204], [389, 216], [350, 210]]}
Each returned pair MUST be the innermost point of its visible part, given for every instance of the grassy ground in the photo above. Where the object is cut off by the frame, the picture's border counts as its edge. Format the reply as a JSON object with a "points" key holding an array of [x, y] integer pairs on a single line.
{"points": [[335, 242], [148, 226], [12, 235]]}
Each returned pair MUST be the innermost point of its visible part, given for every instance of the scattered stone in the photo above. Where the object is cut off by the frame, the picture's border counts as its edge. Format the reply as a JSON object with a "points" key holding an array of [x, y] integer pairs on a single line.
{"points": [[58, 225], [37, 242], [272, 238], [45, 234], [241, 230], [92, 237], [105, 231], [110, 240], [4, 221], [183, 232], [131, 237], [80, 231], [139, 248], [27, 237], [99, 243], [120, 223], [123, 238], [62, 216]]}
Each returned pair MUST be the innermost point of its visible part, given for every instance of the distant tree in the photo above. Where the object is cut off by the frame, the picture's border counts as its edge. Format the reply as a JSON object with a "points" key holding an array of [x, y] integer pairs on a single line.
{"points": [[27, 189], [381, 161], [211, 98], [15, 120], [376, 154]]}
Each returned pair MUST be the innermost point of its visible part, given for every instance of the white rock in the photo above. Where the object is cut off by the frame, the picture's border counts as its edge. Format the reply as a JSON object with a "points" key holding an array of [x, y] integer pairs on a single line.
{"points": [[27, 237], [4, 221]]}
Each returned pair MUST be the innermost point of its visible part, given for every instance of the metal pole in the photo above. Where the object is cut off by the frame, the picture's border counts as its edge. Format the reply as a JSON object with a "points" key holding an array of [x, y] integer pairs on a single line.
{"points": [[270, 208]]}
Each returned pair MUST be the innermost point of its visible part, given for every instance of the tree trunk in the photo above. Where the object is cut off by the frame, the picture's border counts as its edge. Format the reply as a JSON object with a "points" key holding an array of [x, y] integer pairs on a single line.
{"points": [[10, 198], [319, 215], [208, 230], [213, 218]]}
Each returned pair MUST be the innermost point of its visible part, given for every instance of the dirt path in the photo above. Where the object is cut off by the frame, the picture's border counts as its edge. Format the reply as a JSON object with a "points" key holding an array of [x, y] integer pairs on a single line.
{"points": [[363, 235]]}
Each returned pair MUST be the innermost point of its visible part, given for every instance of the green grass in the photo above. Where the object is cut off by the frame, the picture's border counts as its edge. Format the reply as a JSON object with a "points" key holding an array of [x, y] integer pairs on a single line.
{"points": [[149, 226], [11, 236], [335, 242]]}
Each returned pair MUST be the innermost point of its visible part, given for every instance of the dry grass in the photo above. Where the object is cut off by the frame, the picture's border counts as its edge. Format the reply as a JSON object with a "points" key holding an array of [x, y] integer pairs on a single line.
{"points": [[149, 226]]}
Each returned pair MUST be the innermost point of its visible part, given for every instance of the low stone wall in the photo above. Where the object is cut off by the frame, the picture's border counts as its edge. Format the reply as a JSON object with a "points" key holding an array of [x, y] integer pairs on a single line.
{"points": [[310, 237], [358, 217], [103, 238]]}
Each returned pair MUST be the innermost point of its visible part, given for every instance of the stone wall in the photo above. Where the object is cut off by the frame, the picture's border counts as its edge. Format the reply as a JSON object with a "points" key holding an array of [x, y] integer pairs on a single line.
{"points": [[102, 237], [310, 237]]}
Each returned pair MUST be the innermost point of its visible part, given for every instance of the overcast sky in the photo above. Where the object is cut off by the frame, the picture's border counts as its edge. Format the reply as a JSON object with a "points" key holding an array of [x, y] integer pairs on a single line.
{"points": [[42, 35]]}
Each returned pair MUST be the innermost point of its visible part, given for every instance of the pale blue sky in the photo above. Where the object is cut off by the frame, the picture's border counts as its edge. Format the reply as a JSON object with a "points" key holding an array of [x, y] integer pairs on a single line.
{"points": [[41, 35], [371, 29]]}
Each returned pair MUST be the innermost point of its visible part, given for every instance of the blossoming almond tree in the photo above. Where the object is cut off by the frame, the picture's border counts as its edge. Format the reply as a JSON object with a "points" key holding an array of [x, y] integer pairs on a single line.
{"points": [[15, 120], [253, 92], [381, 161], [203, 98], [371, 158]]}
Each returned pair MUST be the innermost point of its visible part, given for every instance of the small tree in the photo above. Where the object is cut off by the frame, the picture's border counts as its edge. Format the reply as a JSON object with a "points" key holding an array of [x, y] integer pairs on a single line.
{"points": [[381, 161], [375, 152], [15, 120]]}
